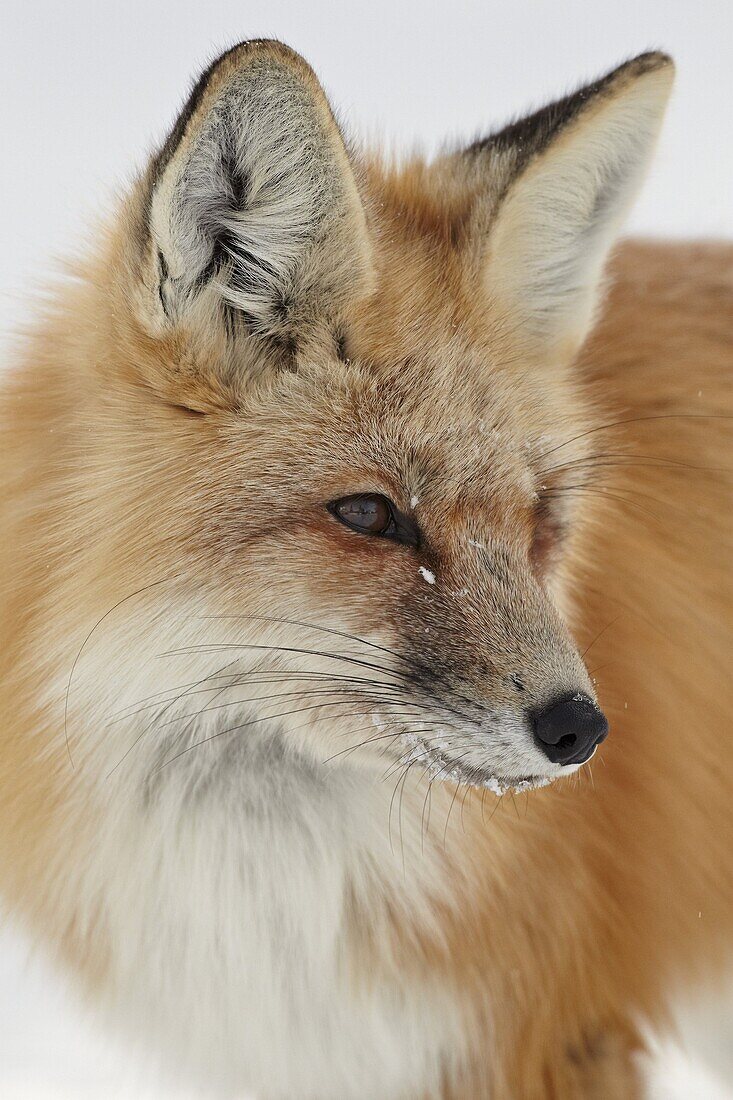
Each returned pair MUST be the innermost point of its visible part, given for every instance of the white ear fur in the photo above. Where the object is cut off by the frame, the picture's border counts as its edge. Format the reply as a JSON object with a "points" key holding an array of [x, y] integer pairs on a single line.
{"points": [[254, 207], [553, 230]]}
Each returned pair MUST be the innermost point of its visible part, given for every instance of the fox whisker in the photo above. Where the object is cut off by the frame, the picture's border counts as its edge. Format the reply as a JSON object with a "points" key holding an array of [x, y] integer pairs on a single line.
{"points": [[635, 420], [217, 647], [239, 679], [314, 626], [82, 647], [361, 696], [253, 722]]}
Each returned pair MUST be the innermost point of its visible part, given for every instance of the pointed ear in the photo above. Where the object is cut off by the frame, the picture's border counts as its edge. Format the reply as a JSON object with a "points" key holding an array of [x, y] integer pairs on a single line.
{"points": [[253, 221], [567, 176]]}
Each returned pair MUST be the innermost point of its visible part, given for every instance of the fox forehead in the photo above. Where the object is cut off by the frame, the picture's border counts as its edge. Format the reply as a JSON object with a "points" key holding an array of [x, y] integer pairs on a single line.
{"points": [[442, 436]]}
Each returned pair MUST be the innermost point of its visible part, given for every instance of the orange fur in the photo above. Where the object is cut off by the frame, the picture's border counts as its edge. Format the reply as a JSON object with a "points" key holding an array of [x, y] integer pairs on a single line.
{"points": [[130, 457]]}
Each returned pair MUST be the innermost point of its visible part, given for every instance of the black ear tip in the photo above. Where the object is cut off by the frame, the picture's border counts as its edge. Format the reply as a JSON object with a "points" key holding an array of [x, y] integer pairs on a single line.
{"points": [[652, 61]]}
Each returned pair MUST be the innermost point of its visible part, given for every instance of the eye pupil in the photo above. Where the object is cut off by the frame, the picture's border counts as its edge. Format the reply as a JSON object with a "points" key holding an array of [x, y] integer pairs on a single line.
{"points": [[371, 514]]}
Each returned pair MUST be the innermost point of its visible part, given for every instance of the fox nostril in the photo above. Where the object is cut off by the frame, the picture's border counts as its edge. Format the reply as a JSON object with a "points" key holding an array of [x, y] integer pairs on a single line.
{"points": [[568, 730]]}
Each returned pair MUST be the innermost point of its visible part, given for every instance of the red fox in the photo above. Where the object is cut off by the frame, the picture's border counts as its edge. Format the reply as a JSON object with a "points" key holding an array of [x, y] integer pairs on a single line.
{"points": [[347, 504]]}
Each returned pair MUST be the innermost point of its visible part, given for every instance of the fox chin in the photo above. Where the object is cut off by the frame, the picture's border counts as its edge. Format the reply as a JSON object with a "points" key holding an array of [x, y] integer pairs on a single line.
{"points": [[347, 503]]}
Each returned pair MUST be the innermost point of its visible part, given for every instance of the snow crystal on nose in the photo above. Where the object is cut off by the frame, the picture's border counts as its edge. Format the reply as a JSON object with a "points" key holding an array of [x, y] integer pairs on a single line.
{"points": [[414, 501], [429, 577]]}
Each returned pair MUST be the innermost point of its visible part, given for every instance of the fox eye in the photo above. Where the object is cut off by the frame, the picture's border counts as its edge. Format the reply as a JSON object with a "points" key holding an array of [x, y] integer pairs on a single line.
{"points": [[369, 513], [373, 514]]}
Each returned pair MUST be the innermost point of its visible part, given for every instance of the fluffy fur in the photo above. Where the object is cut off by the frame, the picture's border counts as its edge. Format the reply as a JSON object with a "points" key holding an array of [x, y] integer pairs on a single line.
{"points": [[259, 771]]}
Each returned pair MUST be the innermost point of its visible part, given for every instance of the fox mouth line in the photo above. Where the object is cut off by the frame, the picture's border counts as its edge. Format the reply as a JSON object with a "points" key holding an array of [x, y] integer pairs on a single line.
{"points": [[440, 766]]}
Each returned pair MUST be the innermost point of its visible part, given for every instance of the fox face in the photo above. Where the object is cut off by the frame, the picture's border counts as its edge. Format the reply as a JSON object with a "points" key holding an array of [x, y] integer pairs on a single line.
{"points": [[342, 471]]}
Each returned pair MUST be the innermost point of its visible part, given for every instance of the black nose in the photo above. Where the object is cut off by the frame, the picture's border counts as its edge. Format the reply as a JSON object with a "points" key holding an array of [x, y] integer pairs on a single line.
{"points": [[569, 730]]}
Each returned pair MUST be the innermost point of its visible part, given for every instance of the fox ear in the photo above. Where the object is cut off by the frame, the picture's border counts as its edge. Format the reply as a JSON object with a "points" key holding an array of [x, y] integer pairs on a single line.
{"points": [[568, 175], [253, 219]]}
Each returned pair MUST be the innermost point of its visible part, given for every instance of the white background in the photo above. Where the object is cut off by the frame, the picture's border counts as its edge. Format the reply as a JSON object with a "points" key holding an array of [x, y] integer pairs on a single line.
{"points": [[87, 89]]}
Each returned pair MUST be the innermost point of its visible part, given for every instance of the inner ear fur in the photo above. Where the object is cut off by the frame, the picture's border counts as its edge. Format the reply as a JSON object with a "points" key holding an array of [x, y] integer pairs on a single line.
{"points": [[253, 223], [552, 192]]}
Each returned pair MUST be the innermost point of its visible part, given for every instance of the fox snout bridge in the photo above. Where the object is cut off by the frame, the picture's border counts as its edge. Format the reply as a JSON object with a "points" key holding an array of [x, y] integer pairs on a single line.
{"points": [[569, 730]]}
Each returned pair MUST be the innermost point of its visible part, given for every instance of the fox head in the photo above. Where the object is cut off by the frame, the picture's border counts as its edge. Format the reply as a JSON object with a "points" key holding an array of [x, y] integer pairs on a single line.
{"points": [[331, 438]]}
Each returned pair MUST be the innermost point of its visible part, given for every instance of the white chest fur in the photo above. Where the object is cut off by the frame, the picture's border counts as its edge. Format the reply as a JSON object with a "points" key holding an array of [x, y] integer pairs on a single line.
{"points": [[221, 894], [217, 882]]}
